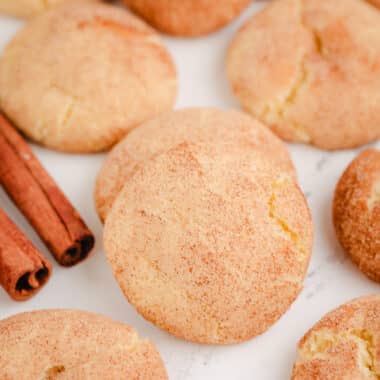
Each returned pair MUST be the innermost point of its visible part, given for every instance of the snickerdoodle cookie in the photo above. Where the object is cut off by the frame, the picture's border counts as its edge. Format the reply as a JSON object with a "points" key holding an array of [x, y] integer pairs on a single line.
{"points": [[345, 344], [194, 124], [68, 344], [209, 244], [310, 69], [79, 77], [356, 212], [27, 8], [188, 17]]}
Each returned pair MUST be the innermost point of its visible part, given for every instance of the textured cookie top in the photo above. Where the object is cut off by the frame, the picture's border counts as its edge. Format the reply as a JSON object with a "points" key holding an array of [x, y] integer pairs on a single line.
{"points": [[191, 125], [356, 212], [27, 8], [209, 244], [80, 76], [345, 344], [188, 17], [311, 70], [68, 344]]}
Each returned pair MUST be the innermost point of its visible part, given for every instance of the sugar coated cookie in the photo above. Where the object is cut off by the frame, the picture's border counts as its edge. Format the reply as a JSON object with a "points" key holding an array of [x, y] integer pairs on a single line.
{"points": [[356, 212], [195, 124], [210, 244], [188, 17], [27, 8], [310, 69], [345, 344], [79, 77], [68, 344]]}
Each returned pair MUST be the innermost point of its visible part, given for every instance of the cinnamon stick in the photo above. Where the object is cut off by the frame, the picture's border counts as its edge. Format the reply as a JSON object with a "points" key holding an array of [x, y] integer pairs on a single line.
{"points": [[23, 269], [41, 201]]}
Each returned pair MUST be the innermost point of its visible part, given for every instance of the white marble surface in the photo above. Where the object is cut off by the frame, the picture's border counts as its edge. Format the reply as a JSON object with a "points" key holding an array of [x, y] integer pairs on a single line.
{"points": [[332, 279]]}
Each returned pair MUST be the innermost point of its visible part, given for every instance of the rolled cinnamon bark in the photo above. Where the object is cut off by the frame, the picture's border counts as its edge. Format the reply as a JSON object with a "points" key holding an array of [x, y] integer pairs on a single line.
{"points": [[23, 269], [41, 201]]}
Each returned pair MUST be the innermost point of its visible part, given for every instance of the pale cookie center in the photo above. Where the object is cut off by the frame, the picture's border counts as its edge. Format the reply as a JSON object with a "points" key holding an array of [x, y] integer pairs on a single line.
{"points": [[375, 196], [318, 345], [287, 231], [276, 111]]}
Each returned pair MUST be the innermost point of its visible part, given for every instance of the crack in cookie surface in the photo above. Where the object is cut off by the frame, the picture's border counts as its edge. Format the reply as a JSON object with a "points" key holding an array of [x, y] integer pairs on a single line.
{"points": [[288, 232], [375, 196], [320, 343], [277, 111]]}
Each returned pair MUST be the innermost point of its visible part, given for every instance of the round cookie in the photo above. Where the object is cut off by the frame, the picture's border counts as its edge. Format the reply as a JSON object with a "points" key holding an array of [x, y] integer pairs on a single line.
{"points": [[356, 212], [79, 77], [209, 244], [345, 344], [188, 17], [27, 8], [170, 129], [311, 71], [70, 344]]}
